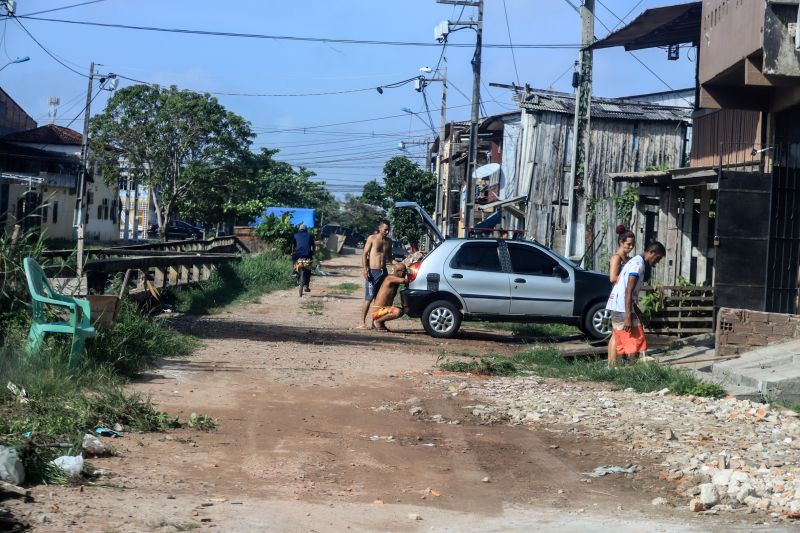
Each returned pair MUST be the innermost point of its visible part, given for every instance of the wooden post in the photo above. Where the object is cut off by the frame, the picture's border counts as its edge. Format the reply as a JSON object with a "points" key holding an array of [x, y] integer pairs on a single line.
{"points": [[159, 279], [702, 238], [686, 233]]}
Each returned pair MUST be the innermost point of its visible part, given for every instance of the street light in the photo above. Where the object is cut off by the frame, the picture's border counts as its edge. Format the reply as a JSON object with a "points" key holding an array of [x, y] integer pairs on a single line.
{"points": [[17, 60]]}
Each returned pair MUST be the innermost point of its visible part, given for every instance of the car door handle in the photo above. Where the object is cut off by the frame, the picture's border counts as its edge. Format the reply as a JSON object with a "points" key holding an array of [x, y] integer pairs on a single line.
{"points": [[457, 276], [520, 280]]}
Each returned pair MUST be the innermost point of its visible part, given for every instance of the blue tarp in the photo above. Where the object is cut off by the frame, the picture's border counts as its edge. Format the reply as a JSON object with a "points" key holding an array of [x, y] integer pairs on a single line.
{"points": [[490, 222], [298, 215]]}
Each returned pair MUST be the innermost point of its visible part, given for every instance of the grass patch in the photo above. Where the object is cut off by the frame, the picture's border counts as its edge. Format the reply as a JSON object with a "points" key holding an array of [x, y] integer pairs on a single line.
{"points": [[135, 342], [344, 288], [547, 362], [543, 331], [237, 282], [314, 307], [62, 405]]}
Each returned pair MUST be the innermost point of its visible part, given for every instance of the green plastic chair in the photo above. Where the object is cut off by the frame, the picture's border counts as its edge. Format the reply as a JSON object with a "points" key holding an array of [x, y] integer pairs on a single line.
{"points": [[42, 296]]}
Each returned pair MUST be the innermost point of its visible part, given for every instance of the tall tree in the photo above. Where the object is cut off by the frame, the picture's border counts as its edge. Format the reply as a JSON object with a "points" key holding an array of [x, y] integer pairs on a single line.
{"points": [[363, 217], [405, 181], [374, 194], [176, 142]]}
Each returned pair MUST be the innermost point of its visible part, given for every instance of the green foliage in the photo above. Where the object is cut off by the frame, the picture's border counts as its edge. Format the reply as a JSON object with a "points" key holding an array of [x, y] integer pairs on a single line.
{"points": [[625, 203], [244, 280], [277, 232], [277, 184], [405, 181], [314, 307], [546, 361], [651, 303], [363, 217], [374, 194], [136, 341], [178, 142], [63, 405], [344, 288]]}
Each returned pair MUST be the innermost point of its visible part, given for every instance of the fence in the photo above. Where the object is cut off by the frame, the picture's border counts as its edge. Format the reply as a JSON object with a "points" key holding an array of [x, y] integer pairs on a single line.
{"points": [[684, 310]]}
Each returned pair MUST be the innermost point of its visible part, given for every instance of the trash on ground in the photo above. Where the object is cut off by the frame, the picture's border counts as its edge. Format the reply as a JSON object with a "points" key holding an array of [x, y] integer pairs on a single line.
{"points": [[11, 469], [93, 446], [106, 432], [601, 471], [71, 464], [19, 393]]}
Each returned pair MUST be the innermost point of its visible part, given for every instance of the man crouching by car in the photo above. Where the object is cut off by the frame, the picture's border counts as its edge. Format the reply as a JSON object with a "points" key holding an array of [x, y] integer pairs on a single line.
{"points": [[383, 308]]}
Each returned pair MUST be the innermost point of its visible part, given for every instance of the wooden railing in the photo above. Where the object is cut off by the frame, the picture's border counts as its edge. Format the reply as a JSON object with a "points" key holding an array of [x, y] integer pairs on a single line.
{"points": [[151, 274], [229, 245], [684, 310]]}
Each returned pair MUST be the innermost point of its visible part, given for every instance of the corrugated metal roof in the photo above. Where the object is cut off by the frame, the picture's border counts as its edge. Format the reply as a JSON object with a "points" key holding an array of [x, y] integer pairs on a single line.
{"points": [[602, 107]]}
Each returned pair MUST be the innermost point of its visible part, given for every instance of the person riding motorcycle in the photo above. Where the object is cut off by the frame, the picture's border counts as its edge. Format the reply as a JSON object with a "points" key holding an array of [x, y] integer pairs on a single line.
{"points": [[303, 248]]}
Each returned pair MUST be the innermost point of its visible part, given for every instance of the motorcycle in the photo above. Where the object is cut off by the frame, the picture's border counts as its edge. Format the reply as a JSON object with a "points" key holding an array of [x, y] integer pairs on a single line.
{"points": [[303, 268]]}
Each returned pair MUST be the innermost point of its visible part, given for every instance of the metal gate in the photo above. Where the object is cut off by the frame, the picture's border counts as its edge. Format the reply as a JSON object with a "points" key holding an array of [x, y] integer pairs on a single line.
{"points": [[783, 265], [742, 239]]}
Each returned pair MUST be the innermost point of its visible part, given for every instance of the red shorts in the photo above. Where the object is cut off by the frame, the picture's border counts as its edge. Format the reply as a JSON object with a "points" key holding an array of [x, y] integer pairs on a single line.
{"points": [[630, 342]]}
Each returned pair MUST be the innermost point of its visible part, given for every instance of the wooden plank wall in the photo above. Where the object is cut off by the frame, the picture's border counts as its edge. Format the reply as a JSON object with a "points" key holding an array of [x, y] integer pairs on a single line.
{"points": [[680, 210], [616, 146], [734, 132]]}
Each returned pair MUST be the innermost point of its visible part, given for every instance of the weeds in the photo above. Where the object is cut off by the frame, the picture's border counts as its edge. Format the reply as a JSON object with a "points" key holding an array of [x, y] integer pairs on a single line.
{"points": [[136, 341], [314, 307], [241, 281], [343, 288], [548, 362], [535, 330]]}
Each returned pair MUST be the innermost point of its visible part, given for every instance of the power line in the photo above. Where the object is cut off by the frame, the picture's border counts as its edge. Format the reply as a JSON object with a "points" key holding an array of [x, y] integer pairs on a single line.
{"points": [[291, 37], [350, 122], [508, 29], [48, 52], [61, 8]]}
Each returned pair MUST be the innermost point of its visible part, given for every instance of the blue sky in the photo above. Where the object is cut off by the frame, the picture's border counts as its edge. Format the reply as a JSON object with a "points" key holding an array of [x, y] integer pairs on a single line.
{"points": [[345, 155]]}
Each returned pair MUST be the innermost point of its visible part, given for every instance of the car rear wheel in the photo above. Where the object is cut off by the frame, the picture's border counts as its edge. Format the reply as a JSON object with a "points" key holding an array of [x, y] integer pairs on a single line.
{"points": [[596, 323], [441, 319]]}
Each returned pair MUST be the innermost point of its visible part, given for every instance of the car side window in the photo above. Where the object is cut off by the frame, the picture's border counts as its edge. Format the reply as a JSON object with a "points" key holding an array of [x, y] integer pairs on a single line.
{"points": [[477, 256], [529, 261]]}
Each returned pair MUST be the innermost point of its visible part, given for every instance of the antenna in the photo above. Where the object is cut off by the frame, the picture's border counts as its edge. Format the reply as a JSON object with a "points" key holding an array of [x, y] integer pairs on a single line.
{"points": [[53, 102]]}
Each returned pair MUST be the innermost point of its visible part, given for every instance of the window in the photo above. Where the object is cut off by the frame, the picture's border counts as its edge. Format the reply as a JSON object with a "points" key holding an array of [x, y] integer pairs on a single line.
{"points": [[99, 212], [45, 213], [55, 212], [477, 256], [89, 198], [529, 261]]}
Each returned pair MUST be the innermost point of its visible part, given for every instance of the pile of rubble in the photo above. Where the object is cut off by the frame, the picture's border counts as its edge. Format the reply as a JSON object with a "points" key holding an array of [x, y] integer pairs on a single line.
{"points": [[725, 454]]}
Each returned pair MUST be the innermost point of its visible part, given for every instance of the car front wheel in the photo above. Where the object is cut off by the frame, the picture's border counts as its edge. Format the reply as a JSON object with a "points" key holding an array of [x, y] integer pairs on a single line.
{"points": [[441, 319], [597, 322]]}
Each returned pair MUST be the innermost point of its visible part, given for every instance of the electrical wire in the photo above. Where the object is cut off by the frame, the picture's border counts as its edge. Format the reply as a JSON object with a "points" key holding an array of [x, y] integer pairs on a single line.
{"points": [[48, 52], [61, 8], [510, 43], [291, 37]]}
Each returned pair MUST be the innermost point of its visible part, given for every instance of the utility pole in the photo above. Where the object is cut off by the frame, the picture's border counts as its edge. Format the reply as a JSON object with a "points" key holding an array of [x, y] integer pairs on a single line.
{"points": [[476, 96], [80, 207], [81, 189], [576, 224], [442, 212]]}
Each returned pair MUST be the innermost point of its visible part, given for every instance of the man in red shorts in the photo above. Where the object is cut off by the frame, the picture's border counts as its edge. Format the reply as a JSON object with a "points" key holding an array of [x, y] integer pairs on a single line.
{"points": [[384, 309], [626, 318]]}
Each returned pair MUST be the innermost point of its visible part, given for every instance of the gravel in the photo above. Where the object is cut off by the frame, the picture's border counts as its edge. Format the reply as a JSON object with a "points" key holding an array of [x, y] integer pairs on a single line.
{"points": [[722, 455]]}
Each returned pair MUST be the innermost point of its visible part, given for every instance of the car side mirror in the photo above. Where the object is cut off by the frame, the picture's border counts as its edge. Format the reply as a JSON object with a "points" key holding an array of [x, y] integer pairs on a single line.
{"points": [[560, 271]]}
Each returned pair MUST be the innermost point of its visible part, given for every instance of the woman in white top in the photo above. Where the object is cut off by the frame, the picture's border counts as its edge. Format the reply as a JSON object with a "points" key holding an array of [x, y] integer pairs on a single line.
{"points": [[626, 241]]}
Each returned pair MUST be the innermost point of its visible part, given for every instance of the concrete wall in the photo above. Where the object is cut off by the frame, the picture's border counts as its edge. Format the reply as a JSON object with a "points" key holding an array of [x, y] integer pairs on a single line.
{"points": [[740, 330]]}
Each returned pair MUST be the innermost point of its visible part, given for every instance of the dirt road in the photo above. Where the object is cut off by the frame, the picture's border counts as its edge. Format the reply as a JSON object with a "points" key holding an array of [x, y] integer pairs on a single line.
{"points": [[316, 434]]}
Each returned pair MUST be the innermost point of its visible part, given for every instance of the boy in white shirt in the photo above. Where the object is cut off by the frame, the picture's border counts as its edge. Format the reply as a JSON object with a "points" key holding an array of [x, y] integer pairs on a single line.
{"points": [[625, 314]]}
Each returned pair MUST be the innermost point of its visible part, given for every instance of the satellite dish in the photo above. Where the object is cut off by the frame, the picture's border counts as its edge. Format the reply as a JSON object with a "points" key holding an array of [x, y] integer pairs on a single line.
{"points": [[485, 171]]}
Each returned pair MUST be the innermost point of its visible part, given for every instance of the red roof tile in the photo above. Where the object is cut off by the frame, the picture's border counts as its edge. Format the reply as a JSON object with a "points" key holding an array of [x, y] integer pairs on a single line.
{"points": [[48, 134]]}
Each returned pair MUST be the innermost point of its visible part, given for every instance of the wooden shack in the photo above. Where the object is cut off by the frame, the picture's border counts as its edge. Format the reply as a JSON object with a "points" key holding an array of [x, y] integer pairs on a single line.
{"points": [[626, 136]]}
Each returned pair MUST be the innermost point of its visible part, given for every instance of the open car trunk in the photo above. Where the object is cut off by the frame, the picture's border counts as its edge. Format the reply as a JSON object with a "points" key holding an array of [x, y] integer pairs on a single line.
{"points": [[438, 238]]}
